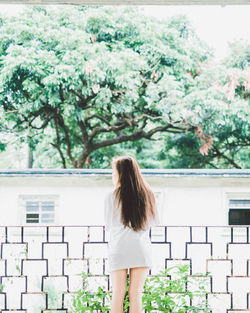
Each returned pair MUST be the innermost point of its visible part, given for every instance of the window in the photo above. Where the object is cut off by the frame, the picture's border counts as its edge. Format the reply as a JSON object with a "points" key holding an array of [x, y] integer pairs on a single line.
{"points": [[39, 209], [158, 233], [158, 195], [239, 212], [159, 199]]}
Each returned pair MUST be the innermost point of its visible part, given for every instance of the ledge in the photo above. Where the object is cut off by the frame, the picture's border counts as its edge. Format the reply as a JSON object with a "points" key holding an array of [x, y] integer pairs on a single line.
{"points": [[108, 172], [129, 2]]}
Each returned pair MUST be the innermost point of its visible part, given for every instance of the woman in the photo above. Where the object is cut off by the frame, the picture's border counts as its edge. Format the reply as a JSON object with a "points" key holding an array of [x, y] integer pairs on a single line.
{"points": [[130, 211]]}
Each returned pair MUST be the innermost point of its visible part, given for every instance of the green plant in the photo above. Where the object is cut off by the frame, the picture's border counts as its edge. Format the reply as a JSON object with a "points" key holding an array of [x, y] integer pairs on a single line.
{"points": [[169, 291], [1, 287], [87, 300], [164, 293]]}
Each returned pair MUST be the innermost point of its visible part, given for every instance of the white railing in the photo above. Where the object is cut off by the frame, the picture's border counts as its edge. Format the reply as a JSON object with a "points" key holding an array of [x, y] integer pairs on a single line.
{"points": [[36, 261]]}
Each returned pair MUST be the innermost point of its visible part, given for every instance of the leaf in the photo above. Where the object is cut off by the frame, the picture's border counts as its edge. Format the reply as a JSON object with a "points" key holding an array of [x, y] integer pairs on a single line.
{"points": [[96, 88], [199, 132], [93, 38], [89, 67]]}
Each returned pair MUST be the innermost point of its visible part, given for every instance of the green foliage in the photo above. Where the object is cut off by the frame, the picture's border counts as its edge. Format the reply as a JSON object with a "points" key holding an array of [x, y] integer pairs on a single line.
{"points": [[2, 146], [239, 55], [172, 289], [76, 80], [87, 300], [169, 291]]}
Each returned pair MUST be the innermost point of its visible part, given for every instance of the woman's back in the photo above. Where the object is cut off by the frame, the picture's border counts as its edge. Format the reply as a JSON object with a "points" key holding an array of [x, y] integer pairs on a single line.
{"points": [[130, 211], [126, 248]]}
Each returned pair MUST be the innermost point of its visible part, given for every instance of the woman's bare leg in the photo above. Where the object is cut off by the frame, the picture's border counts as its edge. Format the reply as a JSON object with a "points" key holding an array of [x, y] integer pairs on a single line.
{"points": [[136, 282], [119, 285]]}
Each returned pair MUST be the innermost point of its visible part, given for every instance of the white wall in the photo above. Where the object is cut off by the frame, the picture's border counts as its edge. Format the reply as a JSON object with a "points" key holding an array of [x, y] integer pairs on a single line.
{"points": [[189, 200]]}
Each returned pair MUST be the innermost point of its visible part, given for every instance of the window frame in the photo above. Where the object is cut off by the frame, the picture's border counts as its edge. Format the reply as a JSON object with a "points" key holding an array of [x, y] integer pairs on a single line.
{"points": [[157, 232], [36, 197], [235, 196], [159, 197]]}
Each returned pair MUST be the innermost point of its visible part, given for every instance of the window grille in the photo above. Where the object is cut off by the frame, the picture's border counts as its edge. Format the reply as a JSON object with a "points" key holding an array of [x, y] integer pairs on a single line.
{"points": [[239, 212], [39, 209]]}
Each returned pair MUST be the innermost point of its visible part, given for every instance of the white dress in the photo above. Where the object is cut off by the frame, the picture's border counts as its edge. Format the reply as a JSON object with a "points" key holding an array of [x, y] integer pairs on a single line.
{"points": [[126, 247]]}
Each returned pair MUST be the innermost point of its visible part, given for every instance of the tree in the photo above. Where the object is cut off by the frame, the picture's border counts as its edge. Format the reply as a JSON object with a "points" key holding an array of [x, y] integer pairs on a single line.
{"points": [[229, 83], [83, 79]]}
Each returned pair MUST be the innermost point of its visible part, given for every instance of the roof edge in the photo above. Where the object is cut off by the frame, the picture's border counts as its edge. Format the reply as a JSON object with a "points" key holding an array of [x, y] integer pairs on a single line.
{"points": [[108, 172]]}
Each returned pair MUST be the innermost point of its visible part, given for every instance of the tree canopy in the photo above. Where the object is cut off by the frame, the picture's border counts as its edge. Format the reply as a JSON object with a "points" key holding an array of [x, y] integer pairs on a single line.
{"points": [[91, 82]]}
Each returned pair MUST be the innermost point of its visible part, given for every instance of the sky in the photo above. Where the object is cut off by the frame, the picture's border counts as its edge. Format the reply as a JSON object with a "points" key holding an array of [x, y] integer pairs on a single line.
{"points": [[215, 24]]}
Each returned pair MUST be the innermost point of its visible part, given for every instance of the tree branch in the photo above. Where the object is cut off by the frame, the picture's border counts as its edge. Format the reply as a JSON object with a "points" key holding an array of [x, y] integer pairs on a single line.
{"points": [[83, 127], [114, 128], [220, 154], [57, 145], [65, 130], [106, 121], [133, 137]]}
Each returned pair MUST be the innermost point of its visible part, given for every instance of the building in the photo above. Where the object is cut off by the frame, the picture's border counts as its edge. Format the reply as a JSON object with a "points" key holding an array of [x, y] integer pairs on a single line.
{"points": [[75, 197]]}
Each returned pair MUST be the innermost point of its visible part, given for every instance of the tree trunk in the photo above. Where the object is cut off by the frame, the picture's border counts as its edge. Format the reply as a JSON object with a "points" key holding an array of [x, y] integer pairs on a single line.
{"points": [[29, 157]]}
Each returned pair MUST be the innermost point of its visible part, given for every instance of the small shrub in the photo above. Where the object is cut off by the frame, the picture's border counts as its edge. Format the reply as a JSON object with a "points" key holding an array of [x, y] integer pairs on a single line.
{"points": [[171, 290], [87, 300], [165, 294]]}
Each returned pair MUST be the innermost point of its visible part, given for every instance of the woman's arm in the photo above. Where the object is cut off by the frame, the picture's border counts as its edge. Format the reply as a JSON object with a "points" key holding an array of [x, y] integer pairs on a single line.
{"points": [[107, 212]]}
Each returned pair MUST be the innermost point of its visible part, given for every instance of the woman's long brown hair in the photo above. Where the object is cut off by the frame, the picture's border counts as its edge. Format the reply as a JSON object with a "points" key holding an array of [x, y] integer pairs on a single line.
{"points": [[132, 193]]}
